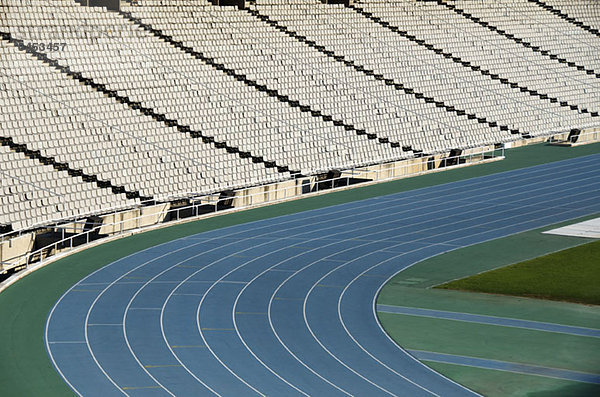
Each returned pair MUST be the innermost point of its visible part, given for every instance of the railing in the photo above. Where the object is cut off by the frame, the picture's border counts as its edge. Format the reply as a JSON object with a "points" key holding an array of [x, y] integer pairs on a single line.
{"points": [[584, 137], [244, 198], [587, 136]]}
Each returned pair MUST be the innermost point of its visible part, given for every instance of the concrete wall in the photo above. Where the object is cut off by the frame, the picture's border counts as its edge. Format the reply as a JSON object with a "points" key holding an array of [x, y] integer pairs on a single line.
{"points": [[589, 135], [12, 249], [396, 169], [129, 220], [153, 214], [262, 194]]}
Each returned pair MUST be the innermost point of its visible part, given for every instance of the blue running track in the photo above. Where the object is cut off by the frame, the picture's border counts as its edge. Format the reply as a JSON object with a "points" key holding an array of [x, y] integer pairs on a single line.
{"points": [[507, 366], [492, 320], [286, 306]]}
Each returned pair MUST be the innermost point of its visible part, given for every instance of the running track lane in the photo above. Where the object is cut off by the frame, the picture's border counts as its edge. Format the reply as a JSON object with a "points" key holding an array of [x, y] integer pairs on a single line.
{"points": [[492, 320], [286, 306]]}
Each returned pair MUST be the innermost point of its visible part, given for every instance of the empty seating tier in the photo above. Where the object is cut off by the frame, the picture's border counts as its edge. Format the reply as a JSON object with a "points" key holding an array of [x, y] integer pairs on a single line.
{"points": [[252, 83], [582, 13], [523, 19], [416, 67], [106, 110], [482, 51], [273, 58], [533, 30], [126, 59], [32, 193], [50, 112]]}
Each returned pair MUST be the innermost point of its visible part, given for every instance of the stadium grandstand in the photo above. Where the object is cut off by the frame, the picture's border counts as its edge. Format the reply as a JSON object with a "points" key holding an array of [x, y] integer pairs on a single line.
{"points": [[125, 116], [158, 103]]}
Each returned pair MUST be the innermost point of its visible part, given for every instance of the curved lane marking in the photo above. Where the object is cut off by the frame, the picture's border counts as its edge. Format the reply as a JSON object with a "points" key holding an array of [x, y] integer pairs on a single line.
{"points": [[387, 260], [508, 366], [407, 195], [490, 320], [374, 302]]}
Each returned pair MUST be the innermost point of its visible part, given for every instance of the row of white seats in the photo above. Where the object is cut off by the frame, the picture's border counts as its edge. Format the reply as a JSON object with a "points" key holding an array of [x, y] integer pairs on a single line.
{"points": [[528, 21], [105, 138], [160, 76], [261, 52], [32, 193], [366, 43], [481, 47], [585, 11], [64, 119]]}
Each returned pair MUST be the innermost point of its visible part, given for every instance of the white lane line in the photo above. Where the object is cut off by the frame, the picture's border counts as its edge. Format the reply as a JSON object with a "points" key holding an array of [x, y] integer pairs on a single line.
{"points": [[320, 280], [48, 320], [239, 294], [310, 231], [270, 320], [440, 188], [385, 282], [128, 308], [87, 317], [216, 261], [66, 342], [244, 264], [52, 311], [509, 322], [271, 268], [114, 282], [153, 280]]}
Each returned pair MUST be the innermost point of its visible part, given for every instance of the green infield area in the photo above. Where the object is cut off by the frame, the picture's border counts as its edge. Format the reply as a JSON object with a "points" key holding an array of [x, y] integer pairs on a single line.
{"points": [[571, 275], [440, 312], [26, 369]]}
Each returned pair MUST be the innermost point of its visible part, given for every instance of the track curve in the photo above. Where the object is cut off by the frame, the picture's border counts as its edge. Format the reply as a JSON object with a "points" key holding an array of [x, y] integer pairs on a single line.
{"points": [[286, 306]]}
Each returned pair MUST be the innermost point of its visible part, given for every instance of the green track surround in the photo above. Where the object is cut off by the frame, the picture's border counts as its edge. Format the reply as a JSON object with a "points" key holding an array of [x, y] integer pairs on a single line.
{"points": [[25, 367]]}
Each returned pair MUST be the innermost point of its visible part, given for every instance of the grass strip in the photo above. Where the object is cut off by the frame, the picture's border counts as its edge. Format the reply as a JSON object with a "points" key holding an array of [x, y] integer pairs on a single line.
{"points": [[571, 275], [24, 364]]}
